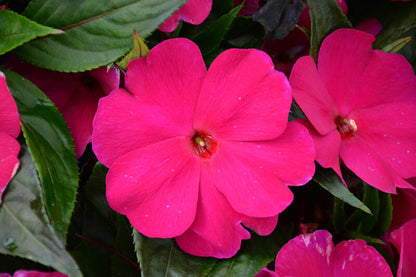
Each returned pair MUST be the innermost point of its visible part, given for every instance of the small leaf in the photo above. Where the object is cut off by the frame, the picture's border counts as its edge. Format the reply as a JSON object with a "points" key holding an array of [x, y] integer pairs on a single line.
{"points": [[326, 17], [279, 17], [385, 215], [327, 179], [396, 45], [16, 29], [25, 230], [96, 32], [210, 38], [139, 50], [50, 144]]}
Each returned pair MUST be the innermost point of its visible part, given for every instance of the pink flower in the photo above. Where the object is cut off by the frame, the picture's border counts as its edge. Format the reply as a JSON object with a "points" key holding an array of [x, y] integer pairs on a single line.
{"points": [[404, 205], [195, 153], [250, 7], [9, 130], [193, 12], [33, 273], [361, 106], [315, 255], [76, 95], [404, 240]]}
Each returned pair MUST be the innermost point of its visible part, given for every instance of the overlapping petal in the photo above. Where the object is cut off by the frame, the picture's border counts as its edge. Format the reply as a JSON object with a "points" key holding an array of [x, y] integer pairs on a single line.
{"points": [[404, 240], [404, 205], [239, 103], [156, 187], [257, 172], [193, 12], [217, 230], [312, 96], [9, 117]]}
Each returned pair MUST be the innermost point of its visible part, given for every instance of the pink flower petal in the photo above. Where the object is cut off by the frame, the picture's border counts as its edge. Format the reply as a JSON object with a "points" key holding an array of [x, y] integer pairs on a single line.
{"points": [[306, 256], [170, 79], [404, 240], [365, 162], [390, 130], [311, 95], [33, 273], [156, 187], [243, 97], [217, 229], [266, 273], [108, 78], [326, 147], [356, 258], [124, 123], [404, 206], [258, 172], [371, 26], [9, 117], [193, 12], [354, 77], [8, 168]]}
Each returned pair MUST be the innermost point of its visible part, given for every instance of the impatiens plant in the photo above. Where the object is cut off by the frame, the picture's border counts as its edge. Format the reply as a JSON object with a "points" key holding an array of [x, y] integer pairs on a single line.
{"points": [[9, 130], [171, 138], [188, 148], [361, 104]]}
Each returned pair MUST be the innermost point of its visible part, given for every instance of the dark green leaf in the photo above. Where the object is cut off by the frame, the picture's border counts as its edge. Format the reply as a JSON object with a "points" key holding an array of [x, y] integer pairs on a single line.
{"points": [[16, 29], [25, 230], [211, 37], [338, 215], [360, 221], [124, 260], [279, 17], [162, 257], [254, 254], [50, 144], [331, 182], [223, 5], [368, 239], [96, 32], [396, 20], [326, 17], [385, 215]]}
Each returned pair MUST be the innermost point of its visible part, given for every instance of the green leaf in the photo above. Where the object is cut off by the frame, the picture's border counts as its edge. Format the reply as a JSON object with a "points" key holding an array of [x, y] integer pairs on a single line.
{"points": [[360, 221], [368, 239], [338, 215], [385, 215], [162, 257], [50, 144], [139, 50], [326, 17], [330, 181], [25, 230], [396, 45], [16, 29], [96, 32], [397, 19], [210, 38]]}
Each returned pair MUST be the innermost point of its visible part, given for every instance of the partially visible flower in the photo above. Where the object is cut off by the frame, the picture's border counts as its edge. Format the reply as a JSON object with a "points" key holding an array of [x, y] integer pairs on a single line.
{"points": [[193, 12], [404, 205], [75, 95], [33, 273], [361, 104], [194, 154], [404, 240], [285, 52], [371, 26], [313, 255], [9, 131], [250, 7]]}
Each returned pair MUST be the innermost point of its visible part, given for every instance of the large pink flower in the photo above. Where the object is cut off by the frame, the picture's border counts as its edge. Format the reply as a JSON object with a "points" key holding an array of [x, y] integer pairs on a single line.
{"points": [[9, 130], [195, 153], [404, 240], [193, 12], [361, 106], [315, 255], [76, 95]]}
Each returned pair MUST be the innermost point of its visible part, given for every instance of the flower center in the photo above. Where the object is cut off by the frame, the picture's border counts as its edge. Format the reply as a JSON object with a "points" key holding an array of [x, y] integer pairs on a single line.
{"points": [[204, 145], [346, 126]]}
